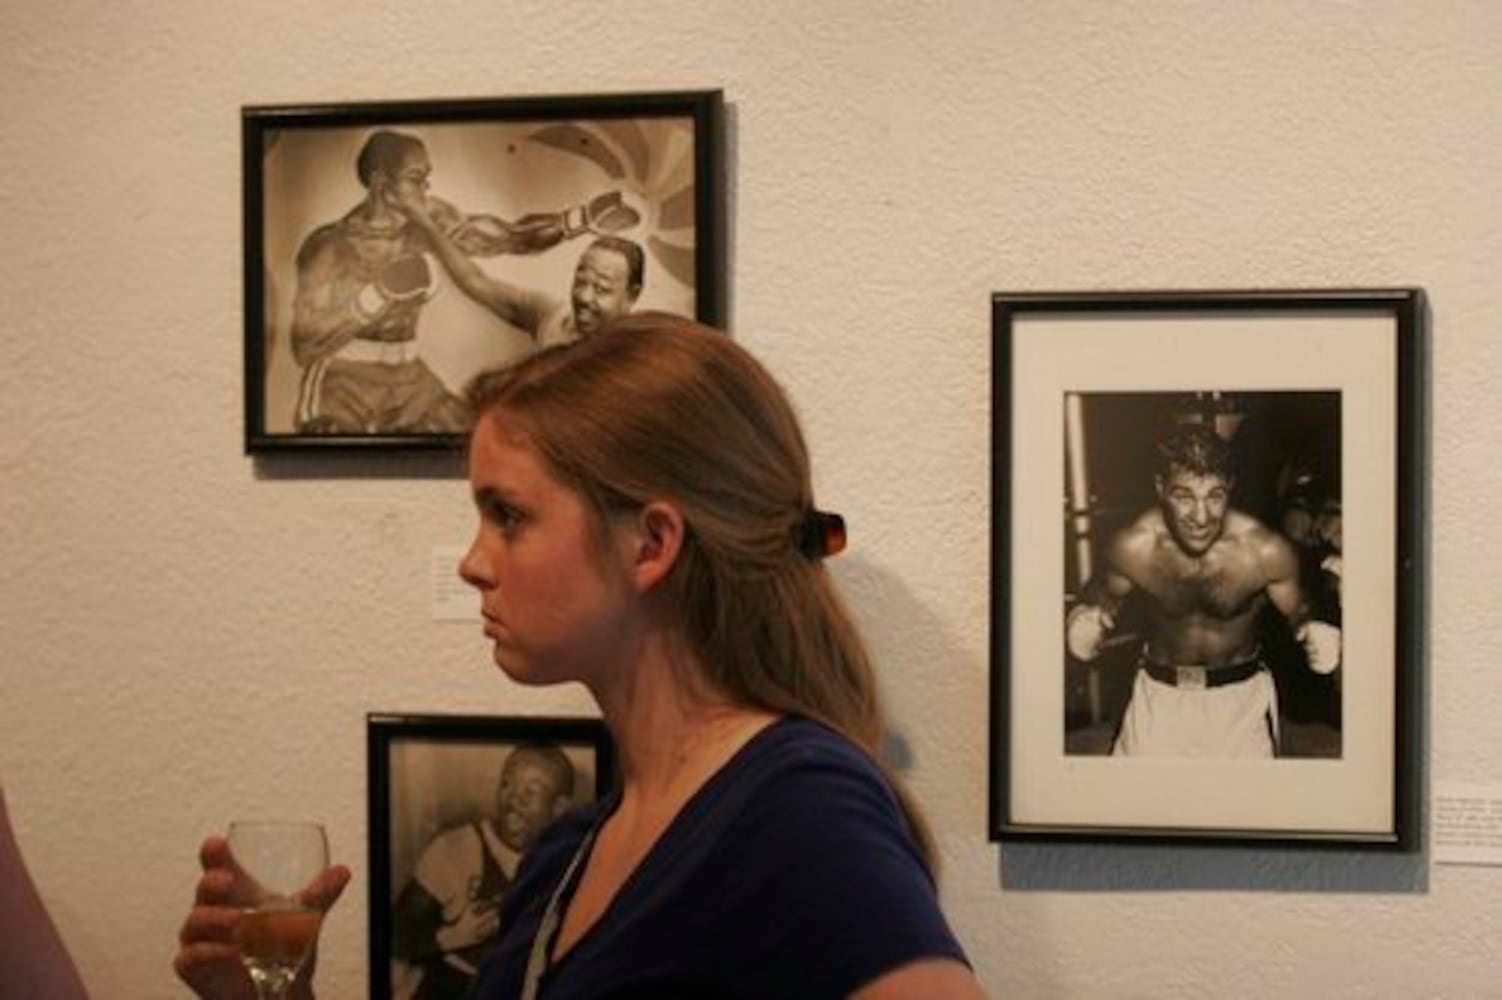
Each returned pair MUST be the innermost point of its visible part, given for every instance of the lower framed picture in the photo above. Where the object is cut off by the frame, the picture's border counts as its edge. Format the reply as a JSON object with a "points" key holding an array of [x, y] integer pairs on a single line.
{"points": [[1206, 560], [455, 802]]}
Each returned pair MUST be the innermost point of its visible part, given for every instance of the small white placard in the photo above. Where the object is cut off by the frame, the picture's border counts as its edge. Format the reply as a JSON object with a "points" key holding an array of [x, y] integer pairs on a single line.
{"points": [[1467, 824], [453, 599]]}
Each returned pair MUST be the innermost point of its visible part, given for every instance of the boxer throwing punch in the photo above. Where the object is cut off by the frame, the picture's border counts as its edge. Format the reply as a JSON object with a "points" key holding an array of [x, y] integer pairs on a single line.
{"points": [[607, 280], [1204, 572], [362, 282]]}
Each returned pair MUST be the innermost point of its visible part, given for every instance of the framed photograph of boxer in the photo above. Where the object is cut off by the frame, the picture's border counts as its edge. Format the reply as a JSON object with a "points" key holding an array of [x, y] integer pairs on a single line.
{"points": [[455, 803], [1207, 516], [395, 250]]}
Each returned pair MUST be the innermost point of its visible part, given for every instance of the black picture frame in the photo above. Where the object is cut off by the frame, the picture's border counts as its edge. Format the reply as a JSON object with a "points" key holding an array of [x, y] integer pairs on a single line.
{"points": [[357, 337], [1319, 395], [434, 838]]}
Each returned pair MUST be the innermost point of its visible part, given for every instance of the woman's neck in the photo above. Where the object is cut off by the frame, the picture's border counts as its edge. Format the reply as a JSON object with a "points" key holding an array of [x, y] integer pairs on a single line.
{"points": [[672, 728], [672, 734]]}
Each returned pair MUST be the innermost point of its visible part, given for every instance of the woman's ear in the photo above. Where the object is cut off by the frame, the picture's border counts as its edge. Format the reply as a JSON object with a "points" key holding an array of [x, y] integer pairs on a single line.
{"points": [[656, 539]]}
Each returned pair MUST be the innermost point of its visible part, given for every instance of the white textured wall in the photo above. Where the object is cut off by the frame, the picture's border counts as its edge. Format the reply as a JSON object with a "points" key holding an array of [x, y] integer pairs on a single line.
{"points": [[187, 635]]}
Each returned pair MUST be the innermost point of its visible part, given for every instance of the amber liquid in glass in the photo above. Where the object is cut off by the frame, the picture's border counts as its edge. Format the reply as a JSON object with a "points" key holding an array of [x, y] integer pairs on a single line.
{"points": [[274, 943]]}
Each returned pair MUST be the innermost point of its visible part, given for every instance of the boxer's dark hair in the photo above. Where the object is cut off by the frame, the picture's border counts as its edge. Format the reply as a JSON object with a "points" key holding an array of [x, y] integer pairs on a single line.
{"points": [[1196, 449], [636, 260], [383, 153]]}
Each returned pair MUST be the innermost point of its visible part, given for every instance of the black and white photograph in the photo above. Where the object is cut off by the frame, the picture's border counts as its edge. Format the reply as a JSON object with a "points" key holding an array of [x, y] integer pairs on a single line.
{"points": [[394, 251], [1203, 569], [455, 803], [1204, 582]]}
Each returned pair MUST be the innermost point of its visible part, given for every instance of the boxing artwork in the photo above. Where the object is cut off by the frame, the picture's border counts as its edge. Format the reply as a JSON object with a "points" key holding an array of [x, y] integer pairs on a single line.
{"points": [[395, 250], [1204, 549], [1202, 613], [455, 804]]}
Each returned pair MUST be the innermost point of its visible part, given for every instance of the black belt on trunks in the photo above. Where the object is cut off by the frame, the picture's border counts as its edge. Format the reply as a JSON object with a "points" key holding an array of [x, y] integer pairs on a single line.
{"points": [[1203, 677]]}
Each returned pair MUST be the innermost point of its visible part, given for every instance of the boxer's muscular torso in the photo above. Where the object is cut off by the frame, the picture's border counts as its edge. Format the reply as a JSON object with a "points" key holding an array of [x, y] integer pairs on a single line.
{"points": [[1203, 609], [335, 262]]}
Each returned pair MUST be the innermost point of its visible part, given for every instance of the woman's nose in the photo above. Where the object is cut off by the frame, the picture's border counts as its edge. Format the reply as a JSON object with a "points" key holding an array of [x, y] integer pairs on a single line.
{"points": [[474, 569]]}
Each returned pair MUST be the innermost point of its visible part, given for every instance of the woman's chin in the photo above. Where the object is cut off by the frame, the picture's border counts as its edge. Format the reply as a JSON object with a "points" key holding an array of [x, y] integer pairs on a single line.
{"points": [[519, 670]]}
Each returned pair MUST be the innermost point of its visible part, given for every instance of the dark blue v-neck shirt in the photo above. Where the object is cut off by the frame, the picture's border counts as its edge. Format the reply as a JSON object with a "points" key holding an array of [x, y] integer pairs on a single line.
{"points": [[790, 874]]}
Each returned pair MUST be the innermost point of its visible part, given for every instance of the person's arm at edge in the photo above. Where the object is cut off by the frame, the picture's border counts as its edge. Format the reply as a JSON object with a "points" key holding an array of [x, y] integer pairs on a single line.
{"points": [[34, 960]]}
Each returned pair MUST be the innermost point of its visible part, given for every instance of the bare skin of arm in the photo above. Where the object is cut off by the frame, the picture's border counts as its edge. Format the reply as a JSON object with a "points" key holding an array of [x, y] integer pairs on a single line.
{"points": [[1094, 617], [508, 302], [1280, 566], [323, 314], [1112, 584]]}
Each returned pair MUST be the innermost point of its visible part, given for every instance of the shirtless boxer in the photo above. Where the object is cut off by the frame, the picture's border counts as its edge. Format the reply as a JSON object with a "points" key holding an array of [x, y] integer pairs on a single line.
{"points": [[362, 282], [1205, 571]]}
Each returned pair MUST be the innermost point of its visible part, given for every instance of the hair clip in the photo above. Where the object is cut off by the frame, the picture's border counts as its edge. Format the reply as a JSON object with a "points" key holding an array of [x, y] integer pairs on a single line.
{"points": [[821, 534]]}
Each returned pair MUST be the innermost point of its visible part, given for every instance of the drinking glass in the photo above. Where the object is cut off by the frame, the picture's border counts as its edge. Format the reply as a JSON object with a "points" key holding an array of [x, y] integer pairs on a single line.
{"points": [[279, 922]]}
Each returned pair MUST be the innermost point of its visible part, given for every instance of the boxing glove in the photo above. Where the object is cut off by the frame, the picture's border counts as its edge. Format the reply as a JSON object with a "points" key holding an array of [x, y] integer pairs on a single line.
{"points": [[1085, 630], [1321, 642], [604, 213], [406, 278]]}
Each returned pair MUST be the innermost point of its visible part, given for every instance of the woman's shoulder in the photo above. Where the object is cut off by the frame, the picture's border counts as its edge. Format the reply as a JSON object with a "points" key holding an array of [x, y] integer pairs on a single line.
{"points": [[804, 741], [817, 849], [799, 775], [794, 742]]}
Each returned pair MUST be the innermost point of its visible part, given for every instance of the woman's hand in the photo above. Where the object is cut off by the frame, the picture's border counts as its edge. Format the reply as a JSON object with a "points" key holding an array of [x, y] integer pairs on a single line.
{"points": [[208, 954]]}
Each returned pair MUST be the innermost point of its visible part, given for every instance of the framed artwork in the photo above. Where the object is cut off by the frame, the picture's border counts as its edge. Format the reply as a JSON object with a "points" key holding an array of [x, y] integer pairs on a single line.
{"points": [[395, 250], [455, 802], [1206, 545]]}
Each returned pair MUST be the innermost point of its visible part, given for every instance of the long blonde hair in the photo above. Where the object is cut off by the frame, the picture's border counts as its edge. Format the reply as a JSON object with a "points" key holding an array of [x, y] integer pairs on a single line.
{"points": [[661, 407]]}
